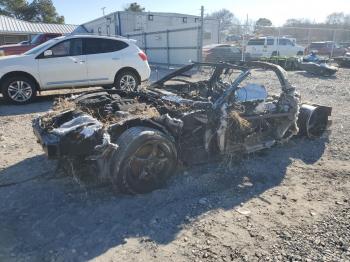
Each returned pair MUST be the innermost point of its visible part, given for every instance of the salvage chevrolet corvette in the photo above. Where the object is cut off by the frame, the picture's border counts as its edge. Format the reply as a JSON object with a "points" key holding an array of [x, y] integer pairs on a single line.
{"points": [[201, 112]]}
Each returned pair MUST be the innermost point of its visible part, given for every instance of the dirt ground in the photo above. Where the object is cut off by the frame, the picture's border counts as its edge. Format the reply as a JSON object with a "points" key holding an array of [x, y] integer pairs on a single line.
{"points": [[289, 203]]}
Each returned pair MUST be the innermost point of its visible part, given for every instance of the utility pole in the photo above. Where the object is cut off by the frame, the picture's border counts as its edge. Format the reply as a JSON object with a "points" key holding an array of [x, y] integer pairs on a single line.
{"points": [[103, 10], [244, 46], [200, 42]]}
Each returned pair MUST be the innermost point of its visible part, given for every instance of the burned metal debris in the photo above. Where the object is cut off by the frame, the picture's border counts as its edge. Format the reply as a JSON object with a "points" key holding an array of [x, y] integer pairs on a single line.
{"points": [[312, 64], [343, 61], [201, 112], [316, 65]]}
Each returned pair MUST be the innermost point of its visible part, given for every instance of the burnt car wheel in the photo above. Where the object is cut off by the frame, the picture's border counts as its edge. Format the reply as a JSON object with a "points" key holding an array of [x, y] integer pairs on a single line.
{"points": [[127, 80], [19, 89], [147, 159]]}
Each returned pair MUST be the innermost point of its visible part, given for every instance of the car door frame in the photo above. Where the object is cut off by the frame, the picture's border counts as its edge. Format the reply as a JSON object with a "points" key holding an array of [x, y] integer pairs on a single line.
{"points": [[113, 58], [75, 58]]}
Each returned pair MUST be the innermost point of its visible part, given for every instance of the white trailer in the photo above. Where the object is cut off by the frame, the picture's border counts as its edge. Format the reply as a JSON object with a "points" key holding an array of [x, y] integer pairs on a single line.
{"points": [[167, 38]]}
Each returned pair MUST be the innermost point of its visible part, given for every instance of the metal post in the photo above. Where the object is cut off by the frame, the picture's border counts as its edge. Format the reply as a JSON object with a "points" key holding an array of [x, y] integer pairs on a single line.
{"points": [[245, 32], [168, 48], [219, 34], [119, 25], [200, 55], [243, 45], [145, 42], [335, 31], [278, 41], [308, 40]]}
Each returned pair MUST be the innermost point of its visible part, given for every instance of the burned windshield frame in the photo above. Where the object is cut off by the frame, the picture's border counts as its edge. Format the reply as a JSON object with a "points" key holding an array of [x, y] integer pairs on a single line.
{"points": [[218, 70]]}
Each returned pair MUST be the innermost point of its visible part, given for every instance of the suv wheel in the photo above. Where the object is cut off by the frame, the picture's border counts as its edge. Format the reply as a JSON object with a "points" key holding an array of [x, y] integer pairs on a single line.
{"points": [[19, 89], [127, 80]]}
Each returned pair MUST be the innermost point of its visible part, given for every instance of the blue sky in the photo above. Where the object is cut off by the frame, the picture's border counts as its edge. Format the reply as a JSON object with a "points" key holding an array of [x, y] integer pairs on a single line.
{"points": [[80, 11]]}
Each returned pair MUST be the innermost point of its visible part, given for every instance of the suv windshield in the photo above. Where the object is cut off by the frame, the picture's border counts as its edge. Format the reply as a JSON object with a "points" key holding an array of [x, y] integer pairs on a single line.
{"points": [[41, 47]]}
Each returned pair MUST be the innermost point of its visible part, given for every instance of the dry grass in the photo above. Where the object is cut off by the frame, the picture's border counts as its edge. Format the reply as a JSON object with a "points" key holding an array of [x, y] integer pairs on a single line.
{"points": [[61, 104], [146, 112], [238, 128]]}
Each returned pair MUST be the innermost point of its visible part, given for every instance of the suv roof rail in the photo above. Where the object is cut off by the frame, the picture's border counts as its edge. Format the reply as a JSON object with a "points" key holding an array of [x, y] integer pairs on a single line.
{"points": [[93, 34]]}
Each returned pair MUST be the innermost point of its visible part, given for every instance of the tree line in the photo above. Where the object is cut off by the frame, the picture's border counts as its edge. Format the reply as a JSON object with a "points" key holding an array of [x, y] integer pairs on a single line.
{"points": [[35, 11], [45, 11]]}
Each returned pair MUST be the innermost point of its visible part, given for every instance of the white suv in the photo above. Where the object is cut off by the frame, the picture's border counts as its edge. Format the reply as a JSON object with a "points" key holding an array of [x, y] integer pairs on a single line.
{"points": [[73, 61], [273, 46]]}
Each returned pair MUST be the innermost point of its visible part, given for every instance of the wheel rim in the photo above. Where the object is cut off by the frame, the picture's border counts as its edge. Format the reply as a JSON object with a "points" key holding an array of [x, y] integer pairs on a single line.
{"points": [[20, 91], [128, 82], [150, 162]]}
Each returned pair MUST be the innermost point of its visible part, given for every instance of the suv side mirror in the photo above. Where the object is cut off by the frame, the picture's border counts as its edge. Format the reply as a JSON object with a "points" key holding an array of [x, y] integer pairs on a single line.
{"points": [[48, 53]]}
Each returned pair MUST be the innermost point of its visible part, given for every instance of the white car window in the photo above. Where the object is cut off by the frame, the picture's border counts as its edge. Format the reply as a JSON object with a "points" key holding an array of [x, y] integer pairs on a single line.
{"points": [[270, 41], [282, 42], [256, 42], [289, 42], [61, 49], [100, 46], [71, 47], [235, 49], [38, 49]]}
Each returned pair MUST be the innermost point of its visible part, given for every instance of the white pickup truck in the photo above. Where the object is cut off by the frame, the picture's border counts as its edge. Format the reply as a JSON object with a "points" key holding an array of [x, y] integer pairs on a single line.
{"points": [[273, 46]]}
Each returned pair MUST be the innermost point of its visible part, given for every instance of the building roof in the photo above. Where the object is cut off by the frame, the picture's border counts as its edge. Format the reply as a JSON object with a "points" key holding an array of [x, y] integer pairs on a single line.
{"points": [[11, 25], [178, 15]]}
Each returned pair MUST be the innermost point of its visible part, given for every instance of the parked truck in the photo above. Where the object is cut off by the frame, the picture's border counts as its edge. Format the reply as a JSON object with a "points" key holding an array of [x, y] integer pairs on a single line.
{"points": [[273, 46], [22, 47]]}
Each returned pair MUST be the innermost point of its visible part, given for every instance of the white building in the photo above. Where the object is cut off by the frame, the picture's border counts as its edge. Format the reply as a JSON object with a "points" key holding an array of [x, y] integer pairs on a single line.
{"points": [[167, 38], [124, 23]]}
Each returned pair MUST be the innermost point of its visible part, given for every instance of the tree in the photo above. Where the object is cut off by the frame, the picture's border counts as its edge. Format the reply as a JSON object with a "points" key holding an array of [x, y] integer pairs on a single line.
{"points": [[46, 12], [263, 22], [335, 18], [225, 17], [292, 22], [36, 11], [16, 8], [134, 7], [347, 20]]}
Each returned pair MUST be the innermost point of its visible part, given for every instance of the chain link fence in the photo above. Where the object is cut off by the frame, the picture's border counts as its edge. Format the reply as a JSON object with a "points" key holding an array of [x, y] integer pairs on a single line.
{"points": [[173, 47]]}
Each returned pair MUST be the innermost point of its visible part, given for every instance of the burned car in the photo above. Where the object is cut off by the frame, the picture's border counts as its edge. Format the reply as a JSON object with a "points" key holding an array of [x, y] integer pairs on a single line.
{"points": [[199, 113], [343, 61], [316, 65]]}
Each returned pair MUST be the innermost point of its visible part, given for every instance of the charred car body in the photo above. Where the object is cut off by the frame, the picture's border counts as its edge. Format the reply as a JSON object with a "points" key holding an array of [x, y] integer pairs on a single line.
{"points": [[136, 138], [343, 61], [316, 65]]}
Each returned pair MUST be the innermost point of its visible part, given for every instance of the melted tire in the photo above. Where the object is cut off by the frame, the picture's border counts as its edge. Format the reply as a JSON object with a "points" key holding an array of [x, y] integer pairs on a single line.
{"points": [[130, 143]]}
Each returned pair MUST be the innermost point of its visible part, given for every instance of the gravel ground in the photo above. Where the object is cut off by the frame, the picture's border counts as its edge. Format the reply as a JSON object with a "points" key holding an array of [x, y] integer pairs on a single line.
{"points": [[289, 203]]}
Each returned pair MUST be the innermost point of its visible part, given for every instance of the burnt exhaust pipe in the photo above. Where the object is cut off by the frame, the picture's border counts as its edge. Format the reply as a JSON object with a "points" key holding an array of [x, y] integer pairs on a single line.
{"points": [[313, 120]]}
